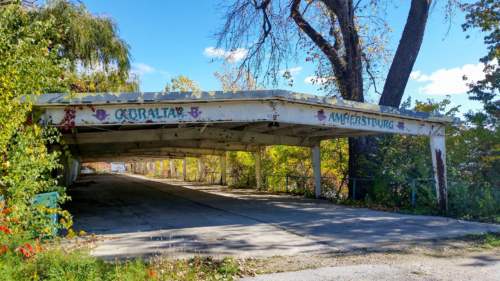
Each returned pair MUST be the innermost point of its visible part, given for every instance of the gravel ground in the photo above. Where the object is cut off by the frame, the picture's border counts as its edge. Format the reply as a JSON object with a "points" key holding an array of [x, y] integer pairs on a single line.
{"points": [[417, 264]]}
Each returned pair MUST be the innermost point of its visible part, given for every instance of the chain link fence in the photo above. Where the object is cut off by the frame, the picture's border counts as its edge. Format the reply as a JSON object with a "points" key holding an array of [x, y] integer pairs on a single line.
{"points": [[464, 200]]}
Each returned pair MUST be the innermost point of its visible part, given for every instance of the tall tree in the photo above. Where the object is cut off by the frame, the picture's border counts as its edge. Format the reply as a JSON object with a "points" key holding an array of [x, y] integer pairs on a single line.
{"points": [[485, 134], [338, 29], [98, 59], [231, 79], [182, 83], [485, 15]]}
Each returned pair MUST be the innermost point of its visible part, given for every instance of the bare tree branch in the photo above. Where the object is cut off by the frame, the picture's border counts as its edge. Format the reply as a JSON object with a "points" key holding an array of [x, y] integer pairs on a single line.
{"points": [[339, 65]]}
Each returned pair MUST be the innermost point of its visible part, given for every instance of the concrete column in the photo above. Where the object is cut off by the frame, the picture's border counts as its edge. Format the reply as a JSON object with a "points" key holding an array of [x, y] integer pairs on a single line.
{"points": [[200, 169], [438, 151], [223, 177], [161, 168], [148, 167], [172, 168], [316, 164], [258, 172], [71, 170], [184, 169]]}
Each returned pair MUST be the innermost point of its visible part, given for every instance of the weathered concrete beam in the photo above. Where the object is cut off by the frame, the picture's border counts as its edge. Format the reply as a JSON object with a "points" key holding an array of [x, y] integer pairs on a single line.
{"points": [[193, 144], [149, 155], [359, 117], [178, 150], [175, 134]]}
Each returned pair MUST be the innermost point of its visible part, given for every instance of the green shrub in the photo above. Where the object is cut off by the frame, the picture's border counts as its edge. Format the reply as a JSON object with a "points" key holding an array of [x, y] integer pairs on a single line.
{"points": [[58, 265]]}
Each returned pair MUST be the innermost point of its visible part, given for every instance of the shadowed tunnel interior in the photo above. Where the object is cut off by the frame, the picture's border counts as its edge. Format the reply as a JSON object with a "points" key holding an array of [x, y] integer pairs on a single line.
{"points": [[148, 216]]}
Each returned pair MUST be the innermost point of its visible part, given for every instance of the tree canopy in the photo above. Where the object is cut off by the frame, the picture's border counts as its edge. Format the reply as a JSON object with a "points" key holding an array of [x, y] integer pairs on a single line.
{"points": [[98, 59], [485, 16], [182, 83]]}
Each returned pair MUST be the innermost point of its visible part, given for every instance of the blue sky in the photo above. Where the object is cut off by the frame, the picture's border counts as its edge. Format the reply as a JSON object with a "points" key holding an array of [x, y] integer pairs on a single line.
{"points": [[169, 38]]}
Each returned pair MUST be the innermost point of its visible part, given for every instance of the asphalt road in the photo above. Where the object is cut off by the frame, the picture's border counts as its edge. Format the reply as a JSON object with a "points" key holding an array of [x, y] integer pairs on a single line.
{"points": [[140, 217]]}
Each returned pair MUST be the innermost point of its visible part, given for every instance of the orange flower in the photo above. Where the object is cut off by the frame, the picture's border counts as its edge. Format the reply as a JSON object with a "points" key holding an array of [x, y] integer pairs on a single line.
{"points": [[3, 249], [29, 247], [152, 273], [6, 211], [38, 247], [26, 250], [5, 229]]}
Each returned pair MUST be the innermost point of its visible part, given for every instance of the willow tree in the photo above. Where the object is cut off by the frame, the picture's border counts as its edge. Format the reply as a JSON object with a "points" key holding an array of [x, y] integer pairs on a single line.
{"points": [[98, 59], [345, 38], [43, 49]]}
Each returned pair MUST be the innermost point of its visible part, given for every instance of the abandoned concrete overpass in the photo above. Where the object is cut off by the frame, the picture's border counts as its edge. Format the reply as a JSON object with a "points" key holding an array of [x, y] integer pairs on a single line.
{"points": [[133, 126]]}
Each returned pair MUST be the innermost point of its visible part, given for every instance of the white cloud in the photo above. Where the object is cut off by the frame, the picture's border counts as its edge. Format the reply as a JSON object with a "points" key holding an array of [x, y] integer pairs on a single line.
{"points": [[293, 70], [315, 80], [448, 81], [230, 56], [142, 69]]}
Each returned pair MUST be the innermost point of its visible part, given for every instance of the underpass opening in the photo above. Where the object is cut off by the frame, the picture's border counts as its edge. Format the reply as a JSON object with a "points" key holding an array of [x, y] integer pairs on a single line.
{"points": [[127, 126]]}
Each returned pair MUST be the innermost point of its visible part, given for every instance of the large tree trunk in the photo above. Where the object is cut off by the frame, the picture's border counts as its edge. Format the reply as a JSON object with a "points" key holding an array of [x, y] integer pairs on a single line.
{"points": [[363, 151], [362, 162], [406, 54], [347, 68]]}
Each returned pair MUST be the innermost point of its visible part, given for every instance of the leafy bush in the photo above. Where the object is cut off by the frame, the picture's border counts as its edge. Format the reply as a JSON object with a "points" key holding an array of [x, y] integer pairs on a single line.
{"points": [[30, 65], [58, 265]]}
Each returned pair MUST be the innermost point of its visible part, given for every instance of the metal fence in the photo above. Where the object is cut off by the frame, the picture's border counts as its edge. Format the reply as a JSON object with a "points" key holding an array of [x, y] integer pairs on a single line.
{"points": [[413, 193]]}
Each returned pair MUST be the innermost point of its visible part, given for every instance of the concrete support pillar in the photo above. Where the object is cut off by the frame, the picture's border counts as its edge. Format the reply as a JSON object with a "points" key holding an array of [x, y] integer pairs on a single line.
{"points": [[438, 151], [184, 169], [71, 170], [258, 172], [223, 177], [173, 174], [200, 169], [161, 168], [316, 164]]}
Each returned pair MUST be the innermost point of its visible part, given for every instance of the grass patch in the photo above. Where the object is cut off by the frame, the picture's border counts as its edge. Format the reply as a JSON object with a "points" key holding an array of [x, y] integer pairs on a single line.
{"points": [[58, 265]]}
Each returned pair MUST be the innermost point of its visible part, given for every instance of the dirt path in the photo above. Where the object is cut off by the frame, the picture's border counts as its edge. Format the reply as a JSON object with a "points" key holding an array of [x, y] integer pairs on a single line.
{"points": [[416, 264]]}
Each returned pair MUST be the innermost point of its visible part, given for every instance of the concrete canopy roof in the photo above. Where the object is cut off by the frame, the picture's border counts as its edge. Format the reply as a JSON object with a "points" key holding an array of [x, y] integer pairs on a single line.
{"points": [[63, 99], [125, 125]]}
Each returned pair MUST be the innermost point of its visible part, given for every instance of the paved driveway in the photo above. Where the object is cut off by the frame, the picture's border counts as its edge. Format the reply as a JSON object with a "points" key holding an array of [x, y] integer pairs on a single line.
{"points": [[140, 217]]}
